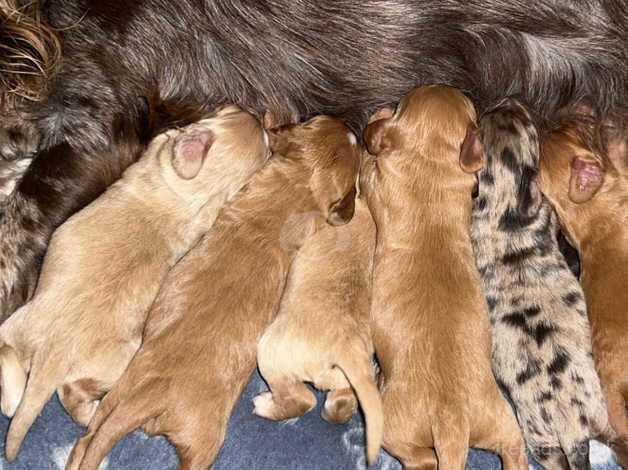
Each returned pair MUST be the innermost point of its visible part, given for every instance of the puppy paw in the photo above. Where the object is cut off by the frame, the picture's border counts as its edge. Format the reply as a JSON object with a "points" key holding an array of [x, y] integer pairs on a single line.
{"points": [[263, 405], [339, 406]]}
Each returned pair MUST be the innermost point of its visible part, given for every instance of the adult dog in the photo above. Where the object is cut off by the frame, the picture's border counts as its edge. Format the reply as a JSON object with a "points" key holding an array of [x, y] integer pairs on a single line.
{"points": [[271, 55]]}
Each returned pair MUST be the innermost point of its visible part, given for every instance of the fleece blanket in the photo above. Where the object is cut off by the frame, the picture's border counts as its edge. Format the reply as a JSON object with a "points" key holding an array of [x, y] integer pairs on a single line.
{"points": [[306, 443]]}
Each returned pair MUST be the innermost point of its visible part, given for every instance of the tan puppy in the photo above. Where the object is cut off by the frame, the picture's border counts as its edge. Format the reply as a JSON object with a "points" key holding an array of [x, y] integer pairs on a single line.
{"points": [[201, 335], [322, 333], [430, 319], [104, 267], [590, 194]]}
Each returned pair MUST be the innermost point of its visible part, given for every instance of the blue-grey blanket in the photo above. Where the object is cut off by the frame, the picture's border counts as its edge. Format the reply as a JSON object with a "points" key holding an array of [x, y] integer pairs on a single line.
{"points": [[252, 443]]}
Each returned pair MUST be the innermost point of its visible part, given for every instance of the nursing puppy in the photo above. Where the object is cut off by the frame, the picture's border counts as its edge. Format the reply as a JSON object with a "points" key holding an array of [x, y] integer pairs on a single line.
{"points": [[322, 332], [104, 267], [541, 338], [430, 325], [260, 54], [589, 191], [200, 339]]}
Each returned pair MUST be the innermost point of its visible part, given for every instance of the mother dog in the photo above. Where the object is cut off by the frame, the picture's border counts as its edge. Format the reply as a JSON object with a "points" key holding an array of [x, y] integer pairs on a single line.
{"points": [[295, 59]]}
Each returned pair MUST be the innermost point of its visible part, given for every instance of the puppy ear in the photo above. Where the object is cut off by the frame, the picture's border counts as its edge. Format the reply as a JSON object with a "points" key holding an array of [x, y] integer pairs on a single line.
{"points": [[586, 179], [383, 113], [472, 151], [376, 136], [189, 152], [341, 212]]}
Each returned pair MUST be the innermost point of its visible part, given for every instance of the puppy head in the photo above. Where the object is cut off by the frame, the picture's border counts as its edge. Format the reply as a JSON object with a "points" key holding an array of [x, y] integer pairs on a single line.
{"points": [[432, 124], [508, 180], [331, 153], [214, 156], [582, 180]]}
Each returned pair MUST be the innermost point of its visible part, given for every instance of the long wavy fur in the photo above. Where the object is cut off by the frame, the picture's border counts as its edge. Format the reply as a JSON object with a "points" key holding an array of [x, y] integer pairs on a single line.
{"points": [[29, 52]]}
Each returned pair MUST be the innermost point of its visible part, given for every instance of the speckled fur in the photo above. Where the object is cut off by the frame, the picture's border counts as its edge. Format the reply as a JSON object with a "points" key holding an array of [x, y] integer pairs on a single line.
{"points": [[541, 339]]}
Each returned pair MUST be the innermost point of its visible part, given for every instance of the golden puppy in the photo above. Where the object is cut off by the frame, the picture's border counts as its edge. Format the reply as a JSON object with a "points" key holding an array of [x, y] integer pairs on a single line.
{"points": [[590, 193], [430, 318], [322, 332], [201, 335], [104, 267]]}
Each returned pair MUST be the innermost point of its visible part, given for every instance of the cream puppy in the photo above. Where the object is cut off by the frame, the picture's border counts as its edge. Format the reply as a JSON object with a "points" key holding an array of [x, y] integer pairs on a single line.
{"points": [[105, 265], [322, 332]]}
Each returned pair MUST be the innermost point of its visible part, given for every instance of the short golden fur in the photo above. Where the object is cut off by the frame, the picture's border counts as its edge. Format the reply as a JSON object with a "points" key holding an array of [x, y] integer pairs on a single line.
{"points": [[589, 191], [200, 338], [430, 321], [322, 332], [104, 267]]}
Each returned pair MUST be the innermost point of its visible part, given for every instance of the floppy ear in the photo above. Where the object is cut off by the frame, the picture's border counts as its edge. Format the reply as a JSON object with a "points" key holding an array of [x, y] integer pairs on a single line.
{"points": [[341, 212], [189, 152], [382, 113], [376, 136], [472, 151], [586, 179]]}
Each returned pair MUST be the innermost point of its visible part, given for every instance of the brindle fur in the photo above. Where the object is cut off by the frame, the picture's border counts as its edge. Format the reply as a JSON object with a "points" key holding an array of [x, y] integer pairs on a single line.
{"points": [[541, 338]]}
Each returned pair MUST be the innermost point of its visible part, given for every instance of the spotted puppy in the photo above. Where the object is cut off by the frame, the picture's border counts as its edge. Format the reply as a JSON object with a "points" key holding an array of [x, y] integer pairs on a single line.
{"points": [[200, 339], [430, 325], [589, 189], [104, 267], [541, 339], [322, 332]]}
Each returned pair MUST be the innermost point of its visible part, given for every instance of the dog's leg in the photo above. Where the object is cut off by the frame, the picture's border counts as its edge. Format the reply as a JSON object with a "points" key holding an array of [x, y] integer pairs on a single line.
{"points": [[286, 400], [451, 440], [413, 457], [80, 399], [12, 379], [341, 403], [500, 433]]}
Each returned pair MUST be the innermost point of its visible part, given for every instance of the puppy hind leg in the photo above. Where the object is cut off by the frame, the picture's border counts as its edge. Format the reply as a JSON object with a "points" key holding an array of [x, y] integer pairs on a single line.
{"points": [[413, 457], [451, 441], [285, 400], [79, 398], [12, 380], [340, 403], [501, 434], [128, 415]]}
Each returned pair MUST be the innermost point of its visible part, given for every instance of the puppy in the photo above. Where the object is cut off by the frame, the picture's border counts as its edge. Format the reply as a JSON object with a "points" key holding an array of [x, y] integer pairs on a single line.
{"points": [[105, 265], [430, 324], [541, 339], [322, 332], [200, 338], [589, 190]]}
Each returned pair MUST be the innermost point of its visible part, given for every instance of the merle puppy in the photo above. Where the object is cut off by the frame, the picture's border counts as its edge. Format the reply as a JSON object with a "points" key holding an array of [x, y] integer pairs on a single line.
{"points": [[271, 55], [541, 337]]}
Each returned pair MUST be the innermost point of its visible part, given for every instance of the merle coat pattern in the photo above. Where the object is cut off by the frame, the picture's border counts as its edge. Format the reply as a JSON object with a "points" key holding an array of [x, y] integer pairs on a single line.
{"points": [[295, 58], [541, 338]]}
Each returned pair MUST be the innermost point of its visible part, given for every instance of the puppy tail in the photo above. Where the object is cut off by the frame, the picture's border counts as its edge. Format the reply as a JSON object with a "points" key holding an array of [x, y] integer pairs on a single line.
{"points": [[12, 380], [39, 390], [359, 373], [127, 416]]}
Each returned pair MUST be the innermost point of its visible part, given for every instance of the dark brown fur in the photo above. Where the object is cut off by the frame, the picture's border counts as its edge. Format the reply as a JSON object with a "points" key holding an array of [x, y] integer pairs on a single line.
{"points": [[271, 55]]}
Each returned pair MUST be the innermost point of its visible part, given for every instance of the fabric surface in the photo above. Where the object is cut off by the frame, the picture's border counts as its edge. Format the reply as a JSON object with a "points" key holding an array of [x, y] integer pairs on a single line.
{"points": [[252, 443]]}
